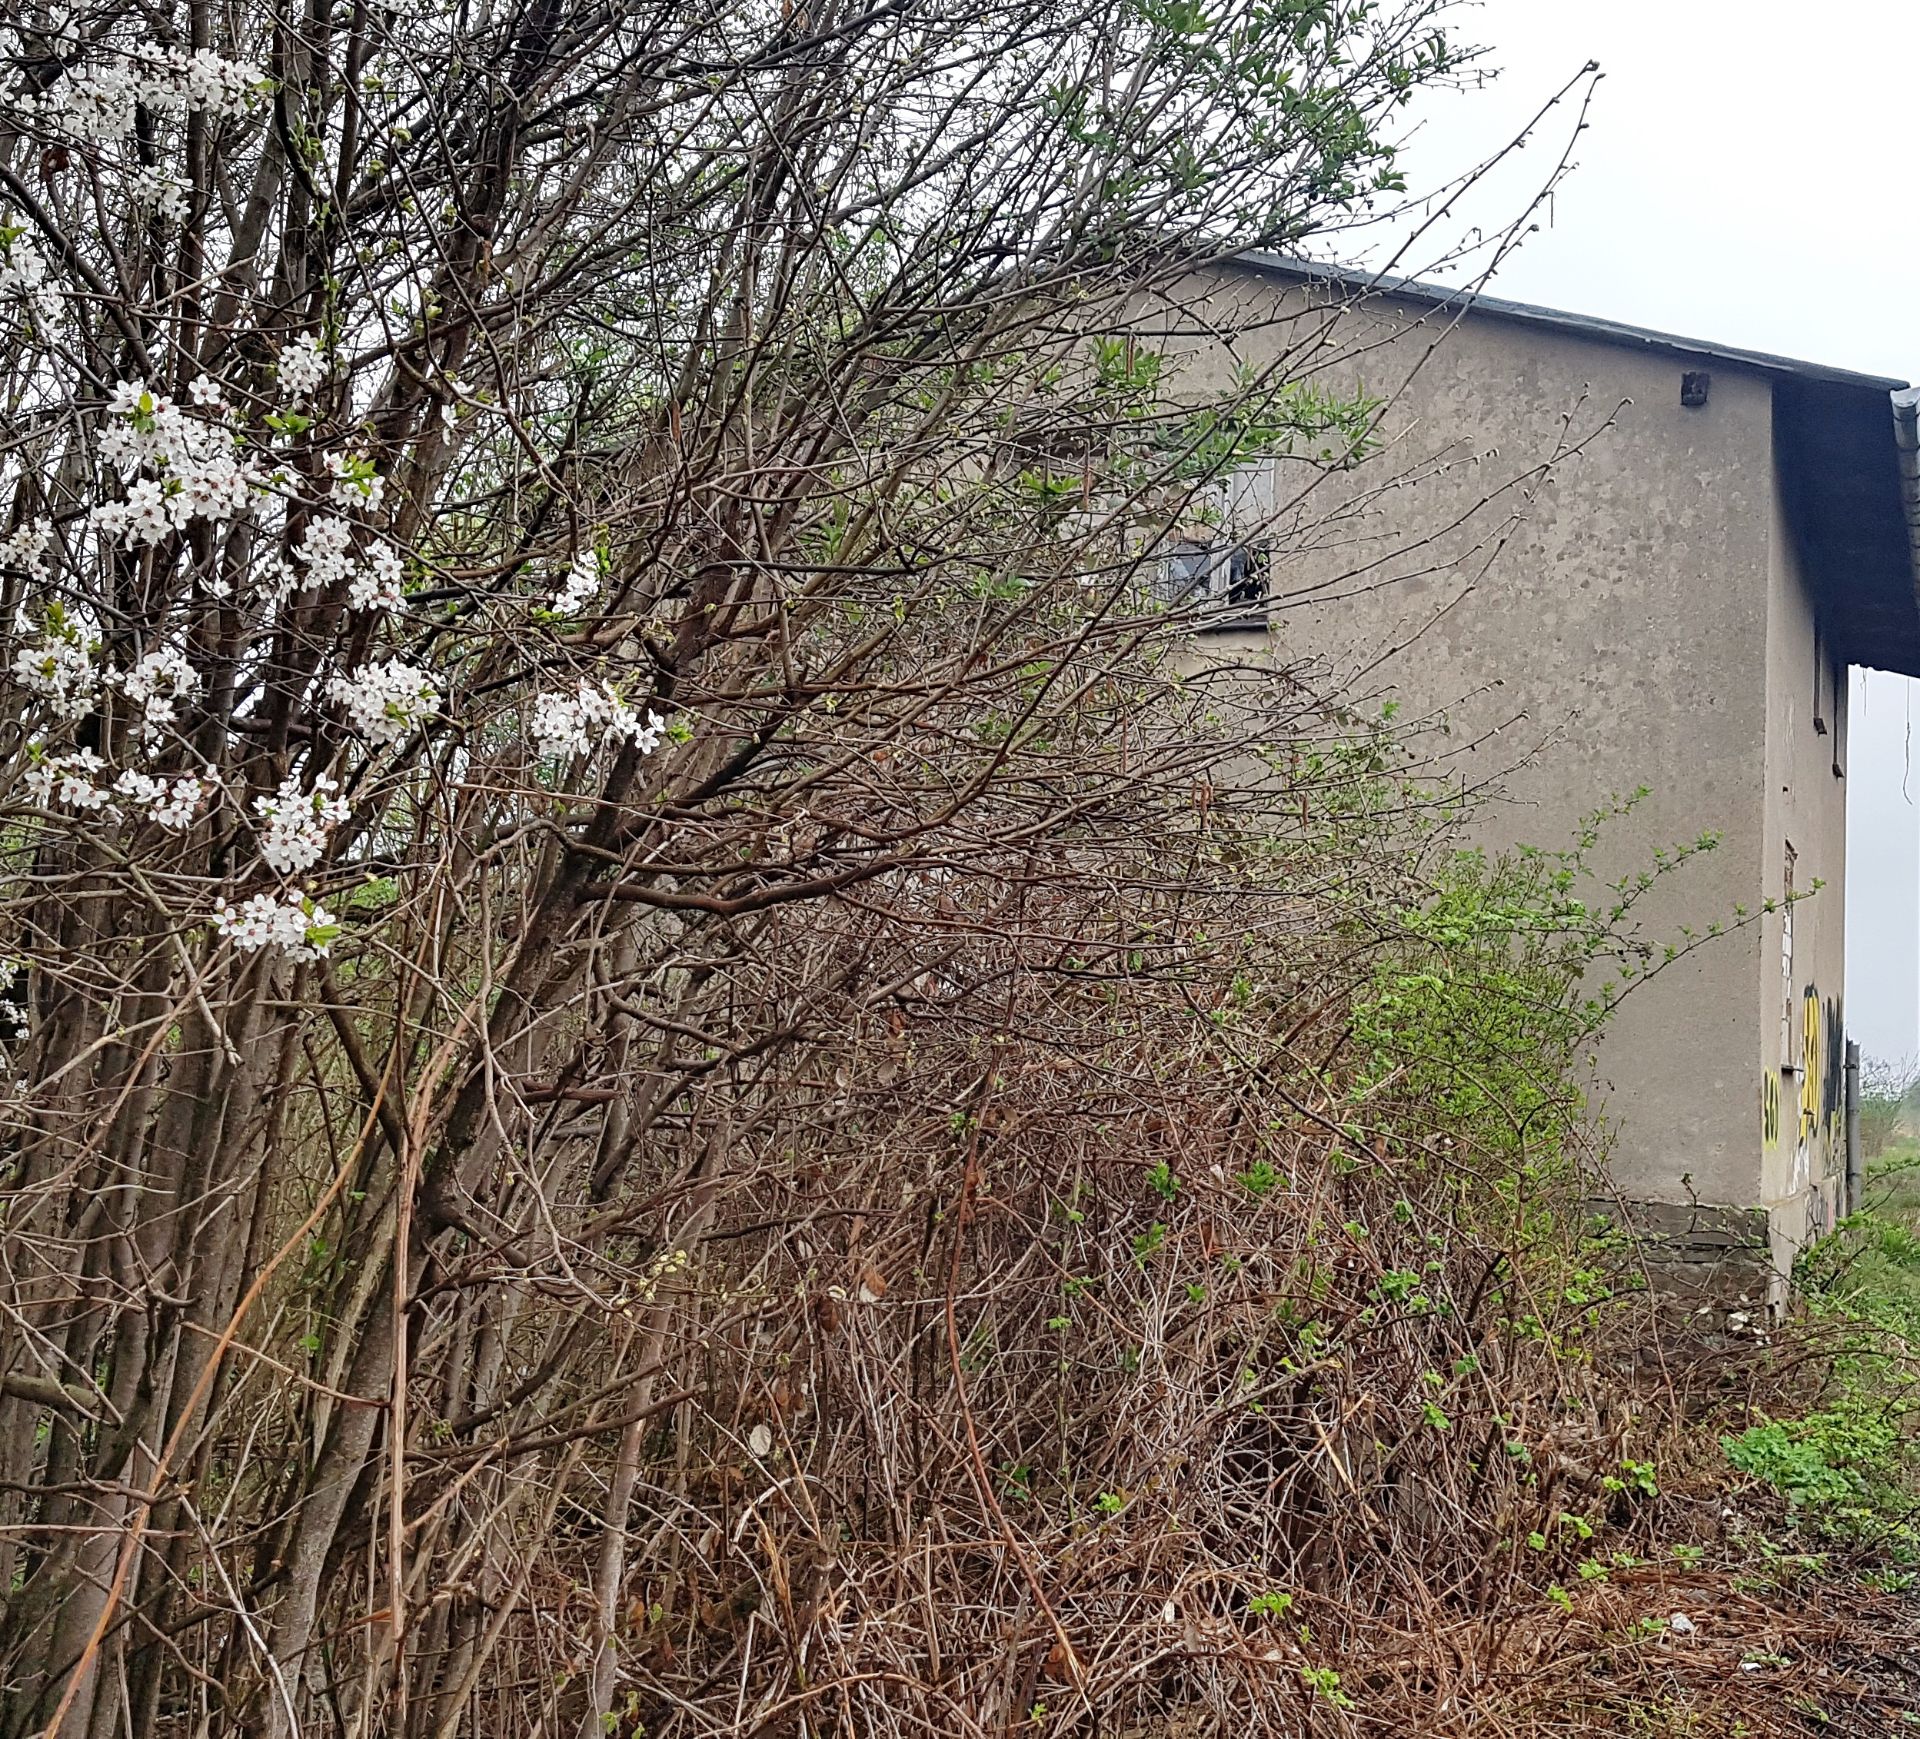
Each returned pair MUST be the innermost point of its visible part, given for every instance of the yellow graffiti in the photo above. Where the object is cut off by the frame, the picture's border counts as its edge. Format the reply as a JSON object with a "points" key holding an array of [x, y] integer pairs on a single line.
{"points": [[1770, 1108], [1813, 1053]]}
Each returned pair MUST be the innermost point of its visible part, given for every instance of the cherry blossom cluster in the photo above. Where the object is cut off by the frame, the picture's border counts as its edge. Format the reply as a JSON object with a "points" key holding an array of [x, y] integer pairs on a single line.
{"points": [[383, 702], [202, 470], [296, 823], [302, 367], [58, 663], [14, 1026], [23, 273], [78, 781], [74, 781], [295, 826], [157, 684], [293, 921], [371, 581], [101, 102], [170, 802], [580, 586], [355, 482], [24, 549], [161, 191], [592, 718]]}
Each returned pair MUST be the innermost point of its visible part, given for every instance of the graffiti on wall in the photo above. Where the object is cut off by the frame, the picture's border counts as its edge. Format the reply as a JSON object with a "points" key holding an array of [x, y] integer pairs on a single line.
{"points": [[1820, 1109], [1812, 1055], [1824, 1050]]}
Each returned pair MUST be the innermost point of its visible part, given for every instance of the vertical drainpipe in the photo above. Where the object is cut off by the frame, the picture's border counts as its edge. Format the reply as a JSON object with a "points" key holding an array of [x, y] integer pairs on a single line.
{"points": [[1856, 1169]]}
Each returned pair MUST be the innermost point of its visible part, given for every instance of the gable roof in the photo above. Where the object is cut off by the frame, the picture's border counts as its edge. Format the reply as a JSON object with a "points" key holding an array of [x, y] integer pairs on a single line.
{"points": [[1847, 447]]}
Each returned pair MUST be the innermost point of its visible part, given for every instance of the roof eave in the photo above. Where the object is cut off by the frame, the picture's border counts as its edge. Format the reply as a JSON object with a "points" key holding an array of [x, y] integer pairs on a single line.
{"points": [[1906, 439], [1462, 298]]}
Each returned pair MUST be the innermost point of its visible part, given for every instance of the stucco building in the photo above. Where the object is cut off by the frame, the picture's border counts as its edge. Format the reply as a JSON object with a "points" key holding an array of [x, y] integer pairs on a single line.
{"points": [[1587, 559]]}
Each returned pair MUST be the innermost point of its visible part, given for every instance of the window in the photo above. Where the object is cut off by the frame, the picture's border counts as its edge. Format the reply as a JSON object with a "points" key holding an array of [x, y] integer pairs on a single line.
{"points": [[1186, 573], [1230, 579], [1247, 575], [1218, 559]]}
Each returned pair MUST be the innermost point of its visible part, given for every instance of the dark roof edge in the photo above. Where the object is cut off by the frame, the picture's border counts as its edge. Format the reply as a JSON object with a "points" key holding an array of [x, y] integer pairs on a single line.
{"points": [[1464, 298], [1906, 438]]}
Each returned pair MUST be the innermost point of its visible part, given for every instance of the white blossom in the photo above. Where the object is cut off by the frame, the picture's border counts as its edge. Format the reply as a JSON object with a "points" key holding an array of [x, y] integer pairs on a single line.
{"points": [[77, 780], [376, 586], [355, 482], [170, 802], [73, 781], [26, 548], [296, 823], [157, 684], [59, 665], [214, 84], [589, 719], [153, 186], [385, 701], [302, 368], [327, 548], [99, 102], [279, 584], [580, 586], [23, 272], [144, 516], [293, 921], [204, 473], [14, 1028]]}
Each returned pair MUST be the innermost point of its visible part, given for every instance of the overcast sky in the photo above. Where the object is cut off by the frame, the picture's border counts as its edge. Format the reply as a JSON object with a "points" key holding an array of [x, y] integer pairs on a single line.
{"points": [[1746, 176]]}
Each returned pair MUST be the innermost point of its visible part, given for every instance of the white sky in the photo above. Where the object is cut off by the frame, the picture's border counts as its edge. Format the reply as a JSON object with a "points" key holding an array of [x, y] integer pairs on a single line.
{"points": [[1746, 176]]}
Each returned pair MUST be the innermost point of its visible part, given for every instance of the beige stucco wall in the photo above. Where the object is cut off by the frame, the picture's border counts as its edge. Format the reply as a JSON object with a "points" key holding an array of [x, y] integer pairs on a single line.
{"points": [[1803, 1142], [1593, 589]]}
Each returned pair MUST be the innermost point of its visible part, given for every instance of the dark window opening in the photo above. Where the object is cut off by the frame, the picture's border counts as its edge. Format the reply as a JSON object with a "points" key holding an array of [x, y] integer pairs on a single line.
{"points": [[1183, 575], [1247, 576], [1194, 575]]}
